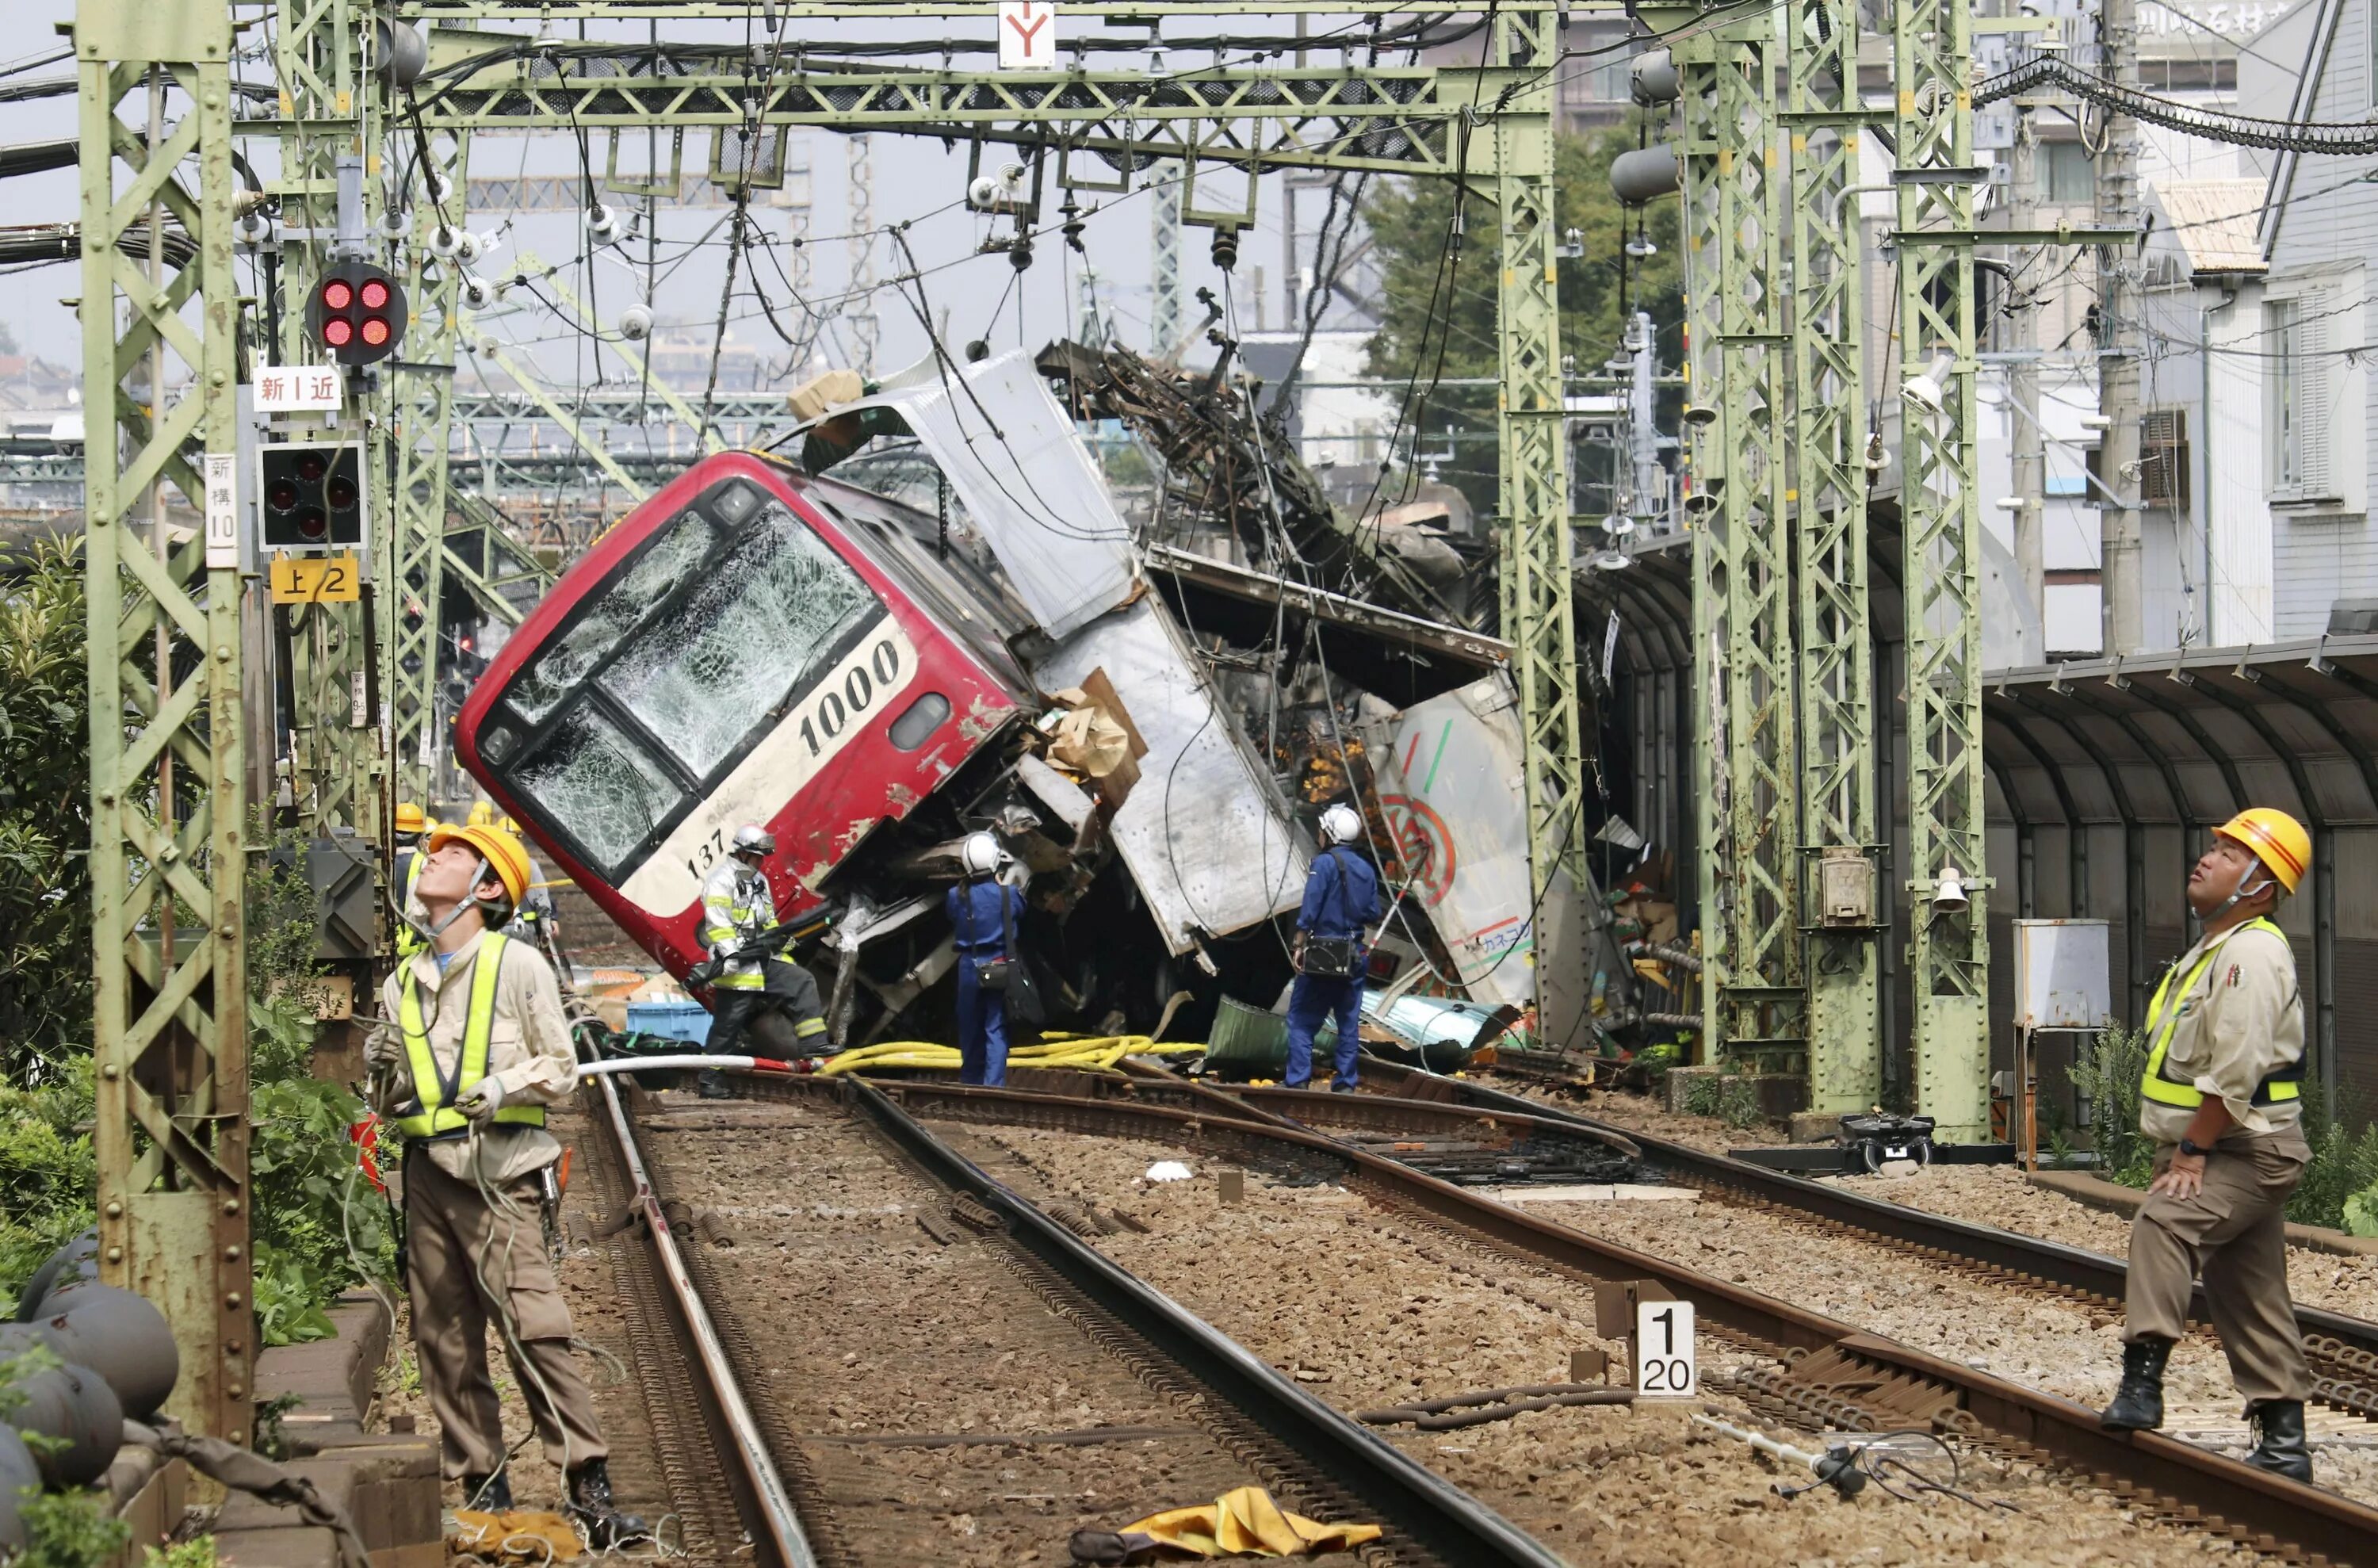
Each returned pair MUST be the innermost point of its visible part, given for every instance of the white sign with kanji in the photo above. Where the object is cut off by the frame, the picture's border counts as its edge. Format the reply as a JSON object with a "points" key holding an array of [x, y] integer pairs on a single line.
{"points": [[1027, 35], [223, 510], [297, 388]]}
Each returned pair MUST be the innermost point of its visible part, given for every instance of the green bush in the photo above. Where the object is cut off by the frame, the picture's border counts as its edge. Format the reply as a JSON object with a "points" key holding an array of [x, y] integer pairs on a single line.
{"points": [[45, 974], [2109, 1077], [48, 1177], [2343, 1165], [70, 1530]]}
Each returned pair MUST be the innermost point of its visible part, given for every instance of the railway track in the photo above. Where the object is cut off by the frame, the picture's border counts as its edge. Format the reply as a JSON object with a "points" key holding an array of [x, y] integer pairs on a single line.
{"points": [[1817, 1372], [2343, 1349], [900, 1360]]}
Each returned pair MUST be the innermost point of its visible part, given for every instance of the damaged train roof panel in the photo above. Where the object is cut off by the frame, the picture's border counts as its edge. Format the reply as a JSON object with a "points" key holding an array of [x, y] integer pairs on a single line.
{"points": [[1011, 453]]}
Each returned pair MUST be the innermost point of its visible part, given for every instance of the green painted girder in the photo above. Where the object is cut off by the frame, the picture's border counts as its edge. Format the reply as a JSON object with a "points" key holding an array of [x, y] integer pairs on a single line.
{"points": [[412, 513], [169, 795], [1932, 59], [1837, 677], [957, 10], [1735, 217], [1531, 420]]}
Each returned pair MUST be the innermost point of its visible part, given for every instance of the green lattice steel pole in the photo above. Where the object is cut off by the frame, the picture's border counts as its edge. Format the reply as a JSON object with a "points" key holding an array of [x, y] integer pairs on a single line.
{"points": [[168, 796], [1532, 422], [1705, 456], [336, 761], [1837, 677], [1932, 59], [411, 509], [1736, 223]]}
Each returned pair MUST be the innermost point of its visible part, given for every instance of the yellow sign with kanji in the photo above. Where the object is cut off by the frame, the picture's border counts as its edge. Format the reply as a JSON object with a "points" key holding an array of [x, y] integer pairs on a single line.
{"points": [[315, 579]]}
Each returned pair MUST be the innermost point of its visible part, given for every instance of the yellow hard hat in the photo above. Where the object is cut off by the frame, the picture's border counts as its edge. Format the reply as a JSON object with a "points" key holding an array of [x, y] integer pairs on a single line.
{"points": [[500, 849], [409, 817], [509, 826], [2277, 839], [483, 813]]}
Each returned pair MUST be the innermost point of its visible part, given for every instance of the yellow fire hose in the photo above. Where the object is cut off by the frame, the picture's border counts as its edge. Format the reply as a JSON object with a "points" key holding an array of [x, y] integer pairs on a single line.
{"points": [[1053, 1050]]}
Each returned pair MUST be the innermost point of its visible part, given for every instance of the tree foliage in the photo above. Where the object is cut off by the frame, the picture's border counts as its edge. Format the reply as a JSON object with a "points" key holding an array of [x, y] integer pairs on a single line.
{"points": [[1438, 305], [45, 983]]}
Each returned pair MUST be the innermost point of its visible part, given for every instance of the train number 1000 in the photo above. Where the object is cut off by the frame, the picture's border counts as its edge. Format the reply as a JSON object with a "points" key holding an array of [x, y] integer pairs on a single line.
{"points": [[832, 710]]}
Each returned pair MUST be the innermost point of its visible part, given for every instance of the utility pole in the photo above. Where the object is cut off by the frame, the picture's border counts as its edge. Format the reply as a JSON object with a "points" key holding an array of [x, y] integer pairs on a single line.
{"points": [[2023, 381], [2120, 526], [866, 327]]}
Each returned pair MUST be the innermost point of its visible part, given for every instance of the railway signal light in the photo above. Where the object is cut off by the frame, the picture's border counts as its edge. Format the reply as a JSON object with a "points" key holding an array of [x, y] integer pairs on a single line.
{"points": [[357, 313], [313, 495]]}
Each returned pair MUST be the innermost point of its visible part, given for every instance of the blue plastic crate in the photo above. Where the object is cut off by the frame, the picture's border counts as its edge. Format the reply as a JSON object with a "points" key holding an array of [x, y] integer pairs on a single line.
{"points": [[675, 1020]]}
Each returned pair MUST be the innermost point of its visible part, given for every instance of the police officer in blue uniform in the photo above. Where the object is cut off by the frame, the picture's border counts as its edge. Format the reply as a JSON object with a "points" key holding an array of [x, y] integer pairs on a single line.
{"points": [[983, 911], [1341, 903]]}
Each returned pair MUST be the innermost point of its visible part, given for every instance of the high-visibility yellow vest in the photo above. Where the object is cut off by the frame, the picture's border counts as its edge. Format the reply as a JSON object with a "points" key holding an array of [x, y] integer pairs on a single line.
{"points": [[2282, 1083], [408, 940], [433, 1095]]}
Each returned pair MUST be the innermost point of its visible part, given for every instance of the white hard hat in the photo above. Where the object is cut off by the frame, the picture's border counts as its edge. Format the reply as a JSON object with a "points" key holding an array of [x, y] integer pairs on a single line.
{"points": [[1340, 825], [753, 839], [981, 855]]}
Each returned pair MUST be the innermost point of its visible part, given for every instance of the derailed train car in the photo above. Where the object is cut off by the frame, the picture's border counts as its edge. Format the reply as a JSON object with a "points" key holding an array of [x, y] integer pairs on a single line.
{"points": [[856, 641]]}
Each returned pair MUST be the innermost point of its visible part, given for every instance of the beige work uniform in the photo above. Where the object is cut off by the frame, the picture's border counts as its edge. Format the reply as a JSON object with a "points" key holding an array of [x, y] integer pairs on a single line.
{"points": [[2241, 1018], [465, 1254]]}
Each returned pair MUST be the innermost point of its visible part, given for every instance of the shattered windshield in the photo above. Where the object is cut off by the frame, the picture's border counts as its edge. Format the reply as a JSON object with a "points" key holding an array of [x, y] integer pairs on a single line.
{"points": [[599, 786], [666, 562], [761, 620], [663, 677]]}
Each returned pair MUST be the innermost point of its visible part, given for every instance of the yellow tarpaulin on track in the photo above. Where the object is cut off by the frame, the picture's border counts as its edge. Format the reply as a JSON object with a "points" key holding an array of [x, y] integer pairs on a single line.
{"points": [[1241, 1523]]}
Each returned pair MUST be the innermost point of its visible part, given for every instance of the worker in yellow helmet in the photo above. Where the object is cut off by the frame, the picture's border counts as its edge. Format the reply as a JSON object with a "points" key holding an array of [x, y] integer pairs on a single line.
{"points": [[472, 1050], [483, 813], [2221, 1099], [536, 910], [411, 824]]}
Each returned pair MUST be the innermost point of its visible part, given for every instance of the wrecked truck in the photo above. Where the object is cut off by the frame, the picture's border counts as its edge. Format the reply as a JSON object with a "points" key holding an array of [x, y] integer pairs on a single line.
{"points": [[922, 614]]}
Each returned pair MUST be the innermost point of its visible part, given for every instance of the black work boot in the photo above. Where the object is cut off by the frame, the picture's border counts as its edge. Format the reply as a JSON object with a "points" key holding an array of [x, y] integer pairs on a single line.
{"points": [[2138, 1403], [711, 1085], [591, 1509], [489, 1494], [2279, 1432]]}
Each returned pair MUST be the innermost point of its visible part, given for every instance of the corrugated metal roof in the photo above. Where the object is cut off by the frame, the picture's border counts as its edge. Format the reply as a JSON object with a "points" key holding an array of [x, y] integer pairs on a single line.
{"points": [[2214, 222]]}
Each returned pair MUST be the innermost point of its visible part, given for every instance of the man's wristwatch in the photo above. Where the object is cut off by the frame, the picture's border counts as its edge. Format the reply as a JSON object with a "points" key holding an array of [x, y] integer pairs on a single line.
{"points": [[2194, 1150]]}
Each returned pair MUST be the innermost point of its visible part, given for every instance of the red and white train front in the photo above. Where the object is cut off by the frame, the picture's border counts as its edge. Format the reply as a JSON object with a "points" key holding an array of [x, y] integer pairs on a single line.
{"points": [[736, 649]]}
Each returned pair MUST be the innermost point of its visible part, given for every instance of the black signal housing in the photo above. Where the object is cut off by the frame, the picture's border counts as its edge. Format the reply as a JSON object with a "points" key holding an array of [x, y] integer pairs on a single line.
{"points": [[356, 313]]}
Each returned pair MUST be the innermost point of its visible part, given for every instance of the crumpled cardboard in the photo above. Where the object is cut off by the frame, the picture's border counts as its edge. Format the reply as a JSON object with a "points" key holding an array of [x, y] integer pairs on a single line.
{"points": [[1095, 740], [820, 394]]}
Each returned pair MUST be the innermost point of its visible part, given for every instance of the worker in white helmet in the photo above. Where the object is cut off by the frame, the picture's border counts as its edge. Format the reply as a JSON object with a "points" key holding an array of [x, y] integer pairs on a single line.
{"points": [[1332, 949], [983, 911], [737, 907]]}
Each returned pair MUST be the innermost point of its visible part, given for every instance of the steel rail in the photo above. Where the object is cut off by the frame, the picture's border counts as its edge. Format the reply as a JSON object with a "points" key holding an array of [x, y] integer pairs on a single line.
{"points": [[767, 1504], [2052, 1263], [1416, 1503], [2196, 1482]]}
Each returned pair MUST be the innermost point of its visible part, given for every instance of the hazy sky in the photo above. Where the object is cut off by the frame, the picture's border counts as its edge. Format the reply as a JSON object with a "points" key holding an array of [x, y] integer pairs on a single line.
{"points": [[915, 179]]}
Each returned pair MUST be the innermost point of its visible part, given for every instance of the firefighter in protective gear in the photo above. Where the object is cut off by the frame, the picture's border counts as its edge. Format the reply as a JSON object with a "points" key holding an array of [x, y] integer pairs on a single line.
{"points": [[535, 909], [736, 906], [411, 824], [982, 912], [1342, 902], [2221, 1098], [477, 1048]]}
